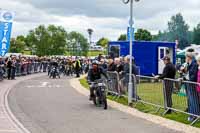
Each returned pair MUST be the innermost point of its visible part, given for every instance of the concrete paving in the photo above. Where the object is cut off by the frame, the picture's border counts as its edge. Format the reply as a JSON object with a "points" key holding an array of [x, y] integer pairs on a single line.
{"points": [[8, 123], [46, 105]]}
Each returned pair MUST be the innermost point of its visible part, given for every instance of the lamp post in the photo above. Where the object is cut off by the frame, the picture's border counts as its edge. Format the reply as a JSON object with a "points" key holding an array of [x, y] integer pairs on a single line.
{"points": [[90, 31], [73, 41], [130, 84]]}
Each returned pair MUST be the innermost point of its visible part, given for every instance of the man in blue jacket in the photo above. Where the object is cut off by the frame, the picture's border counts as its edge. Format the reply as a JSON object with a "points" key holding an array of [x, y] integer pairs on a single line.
{"points": [[193, 100]]}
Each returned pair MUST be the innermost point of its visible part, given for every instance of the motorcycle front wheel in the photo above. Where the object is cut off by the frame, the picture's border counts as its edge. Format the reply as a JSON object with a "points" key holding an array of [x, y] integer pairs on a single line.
{"points": [[105, 104], [94, 100]]}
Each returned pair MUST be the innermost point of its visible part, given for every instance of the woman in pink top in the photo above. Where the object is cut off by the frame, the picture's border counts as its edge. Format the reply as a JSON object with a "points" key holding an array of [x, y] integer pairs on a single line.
{"points": [[198, 77]]}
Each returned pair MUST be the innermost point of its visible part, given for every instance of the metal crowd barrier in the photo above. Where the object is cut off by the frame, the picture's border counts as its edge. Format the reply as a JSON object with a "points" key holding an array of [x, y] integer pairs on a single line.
{"points": [[150, 91], [183, 96], [113, 86], [18, 69], [169, 94], [23, 69], [119, 84]]}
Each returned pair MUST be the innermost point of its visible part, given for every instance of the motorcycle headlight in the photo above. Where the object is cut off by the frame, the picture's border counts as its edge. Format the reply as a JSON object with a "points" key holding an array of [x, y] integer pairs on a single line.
{"points": [[101, 84]]}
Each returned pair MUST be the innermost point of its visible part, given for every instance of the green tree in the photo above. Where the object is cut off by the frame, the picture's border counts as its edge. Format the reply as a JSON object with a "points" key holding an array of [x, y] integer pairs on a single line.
{"points": [[47, 41], [196, 35], [122, 37], [178, 30], [31, 41], [143, 35], [161, 36], [103, 42], [57, 41], [17, 45], [42, 40], [78, 44]]}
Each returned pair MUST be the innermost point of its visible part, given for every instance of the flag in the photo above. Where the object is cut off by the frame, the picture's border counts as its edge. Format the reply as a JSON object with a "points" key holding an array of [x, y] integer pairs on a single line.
{"points": [[6, 21]]}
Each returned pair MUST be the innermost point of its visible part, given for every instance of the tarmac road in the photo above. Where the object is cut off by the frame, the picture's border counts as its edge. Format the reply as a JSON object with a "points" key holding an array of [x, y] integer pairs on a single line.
{"points": [[46, 105]]}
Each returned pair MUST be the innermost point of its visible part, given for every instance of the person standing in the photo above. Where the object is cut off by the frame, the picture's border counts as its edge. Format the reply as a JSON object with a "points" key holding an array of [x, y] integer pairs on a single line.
{"points": [[170, 73], [119, 67], [104, 65], [1, 68], [127, 65], [77, 67], [125, 73], [9, 67], [13, 71], [111, 65], [192, 95]]}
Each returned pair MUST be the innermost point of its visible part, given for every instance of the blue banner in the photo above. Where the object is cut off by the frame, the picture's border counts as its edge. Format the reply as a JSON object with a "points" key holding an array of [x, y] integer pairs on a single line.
{"points": [[6, 19], [128, 34]]}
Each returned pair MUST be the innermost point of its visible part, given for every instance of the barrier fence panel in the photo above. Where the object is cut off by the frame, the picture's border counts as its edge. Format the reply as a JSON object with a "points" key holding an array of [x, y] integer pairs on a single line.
{"points": [[183, 96], [150, 91], [22, 69], [18, 69], [123, 84], [29, 68], [113, 86], [119, 84], [36, 67]]}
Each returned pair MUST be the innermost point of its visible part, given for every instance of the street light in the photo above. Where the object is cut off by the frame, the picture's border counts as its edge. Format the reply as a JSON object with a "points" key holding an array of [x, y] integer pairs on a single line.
{"points": [[90, 31], [130, 84]]}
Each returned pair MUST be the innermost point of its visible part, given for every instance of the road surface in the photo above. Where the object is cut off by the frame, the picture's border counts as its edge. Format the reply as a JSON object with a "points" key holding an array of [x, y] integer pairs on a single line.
{"points": [[46, 105]]}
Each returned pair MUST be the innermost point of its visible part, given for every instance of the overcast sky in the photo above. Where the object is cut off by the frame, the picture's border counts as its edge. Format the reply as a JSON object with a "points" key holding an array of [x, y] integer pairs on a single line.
{"points": [[108, 18]]}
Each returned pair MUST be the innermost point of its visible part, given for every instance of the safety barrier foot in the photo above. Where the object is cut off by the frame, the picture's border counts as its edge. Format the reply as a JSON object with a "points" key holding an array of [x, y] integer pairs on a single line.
{"points": [[197, 119]]}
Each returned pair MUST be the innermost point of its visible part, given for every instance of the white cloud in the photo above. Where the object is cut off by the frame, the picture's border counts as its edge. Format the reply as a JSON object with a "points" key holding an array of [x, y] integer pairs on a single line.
{"points": [[108, 18]]}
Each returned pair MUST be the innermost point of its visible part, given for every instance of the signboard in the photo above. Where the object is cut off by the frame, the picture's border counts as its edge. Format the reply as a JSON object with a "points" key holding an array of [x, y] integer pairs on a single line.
{"points": [[129, 32], [6, 20]]}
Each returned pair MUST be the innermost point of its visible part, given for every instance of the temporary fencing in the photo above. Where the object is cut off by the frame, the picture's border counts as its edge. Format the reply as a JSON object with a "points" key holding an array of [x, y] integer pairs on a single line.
{"points": [[22, 69], [168, 94]]}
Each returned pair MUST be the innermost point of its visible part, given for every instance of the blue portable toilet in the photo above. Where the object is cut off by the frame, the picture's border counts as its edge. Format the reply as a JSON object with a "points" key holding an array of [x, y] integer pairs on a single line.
{"points": [[148, 55]]}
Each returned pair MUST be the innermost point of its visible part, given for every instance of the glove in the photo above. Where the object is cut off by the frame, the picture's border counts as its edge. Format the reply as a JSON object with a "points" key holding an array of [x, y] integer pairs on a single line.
{"points": [[109, 80]]}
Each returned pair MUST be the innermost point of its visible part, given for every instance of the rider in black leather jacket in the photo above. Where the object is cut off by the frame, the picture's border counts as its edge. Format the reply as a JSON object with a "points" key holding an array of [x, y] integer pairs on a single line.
{"points": [[95, 73]]}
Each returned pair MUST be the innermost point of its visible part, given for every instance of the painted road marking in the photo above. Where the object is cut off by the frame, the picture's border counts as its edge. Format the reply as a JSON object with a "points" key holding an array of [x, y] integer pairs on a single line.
{"points": [[44, 85], [7, 131]]}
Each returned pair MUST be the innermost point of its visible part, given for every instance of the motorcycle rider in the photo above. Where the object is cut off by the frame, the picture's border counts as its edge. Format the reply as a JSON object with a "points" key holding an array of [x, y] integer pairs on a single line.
{"points": [[77, 67], [95, 73], [53, 64]]}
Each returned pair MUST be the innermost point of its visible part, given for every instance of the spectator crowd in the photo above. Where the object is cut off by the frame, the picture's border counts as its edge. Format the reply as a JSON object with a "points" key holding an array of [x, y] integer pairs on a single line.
{"points": [[13, 66]]}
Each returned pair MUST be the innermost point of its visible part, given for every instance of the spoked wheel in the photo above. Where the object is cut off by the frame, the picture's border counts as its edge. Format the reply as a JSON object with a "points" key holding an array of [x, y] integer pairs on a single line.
{"points": [[105, 104], [94, 100]]}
